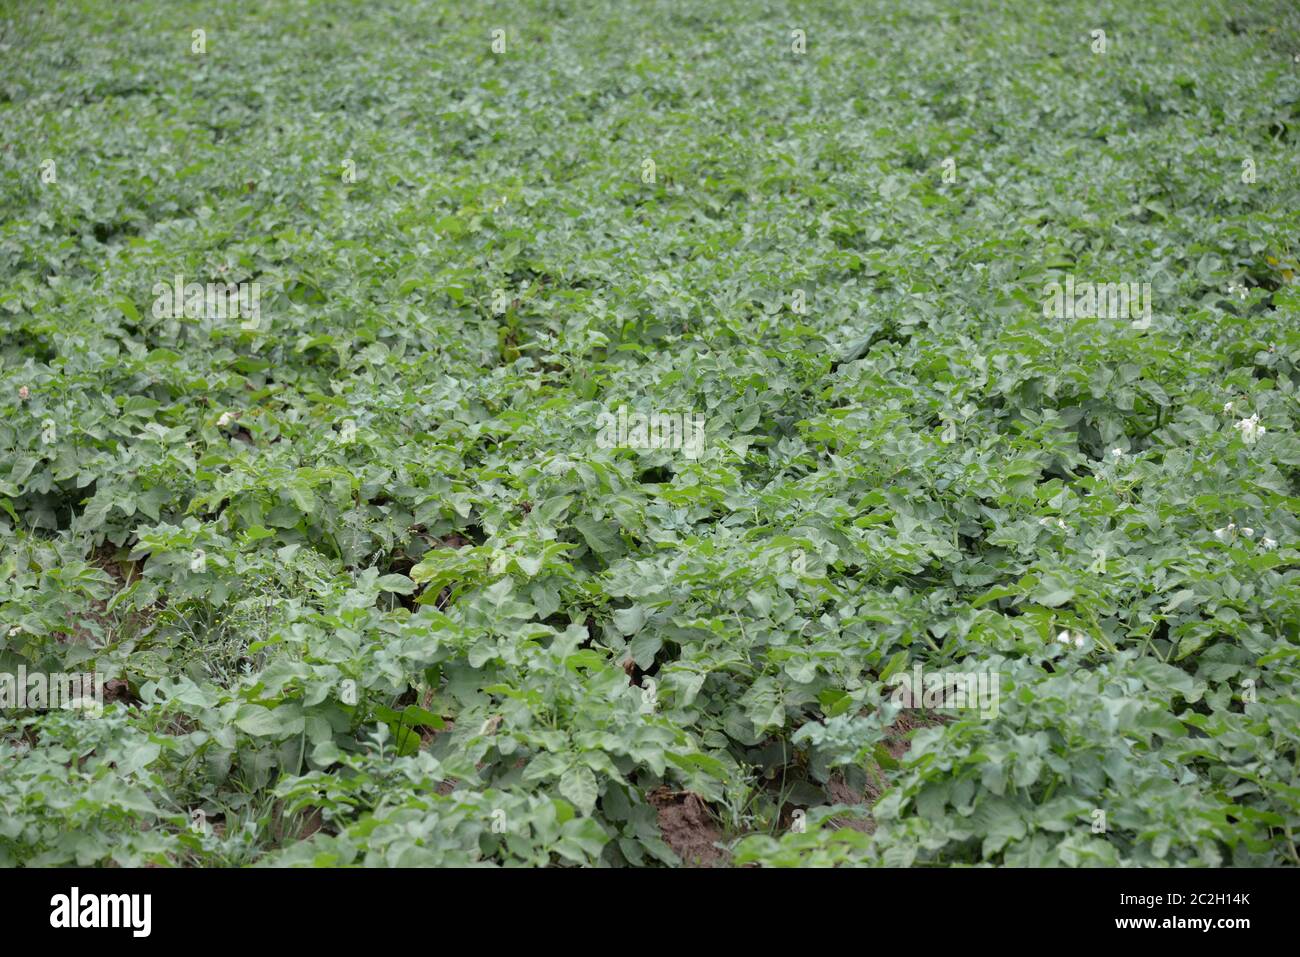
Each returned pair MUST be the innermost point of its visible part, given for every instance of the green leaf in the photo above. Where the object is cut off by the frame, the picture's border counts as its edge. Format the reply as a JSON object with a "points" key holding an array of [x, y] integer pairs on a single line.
{"points": [[578, 784]]}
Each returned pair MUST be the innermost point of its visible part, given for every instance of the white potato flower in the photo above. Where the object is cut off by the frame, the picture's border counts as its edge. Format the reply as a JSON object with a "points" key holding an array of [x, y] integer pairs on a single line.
{"points": [[1250, 428]]}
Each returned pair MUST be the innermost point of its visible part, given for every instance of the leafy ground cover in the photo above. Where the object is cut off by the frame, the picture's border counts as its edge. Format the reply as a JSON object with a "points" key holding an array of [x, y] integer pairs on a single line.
{"points": [[368, 584]]}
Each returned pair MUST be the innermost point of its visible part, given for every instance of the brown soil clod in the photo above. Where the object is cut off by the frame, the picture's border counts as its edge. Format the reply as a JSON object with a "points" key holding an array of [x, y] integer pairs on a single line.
{"points": [[840, 792], [688, 827], [118, 689]]}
